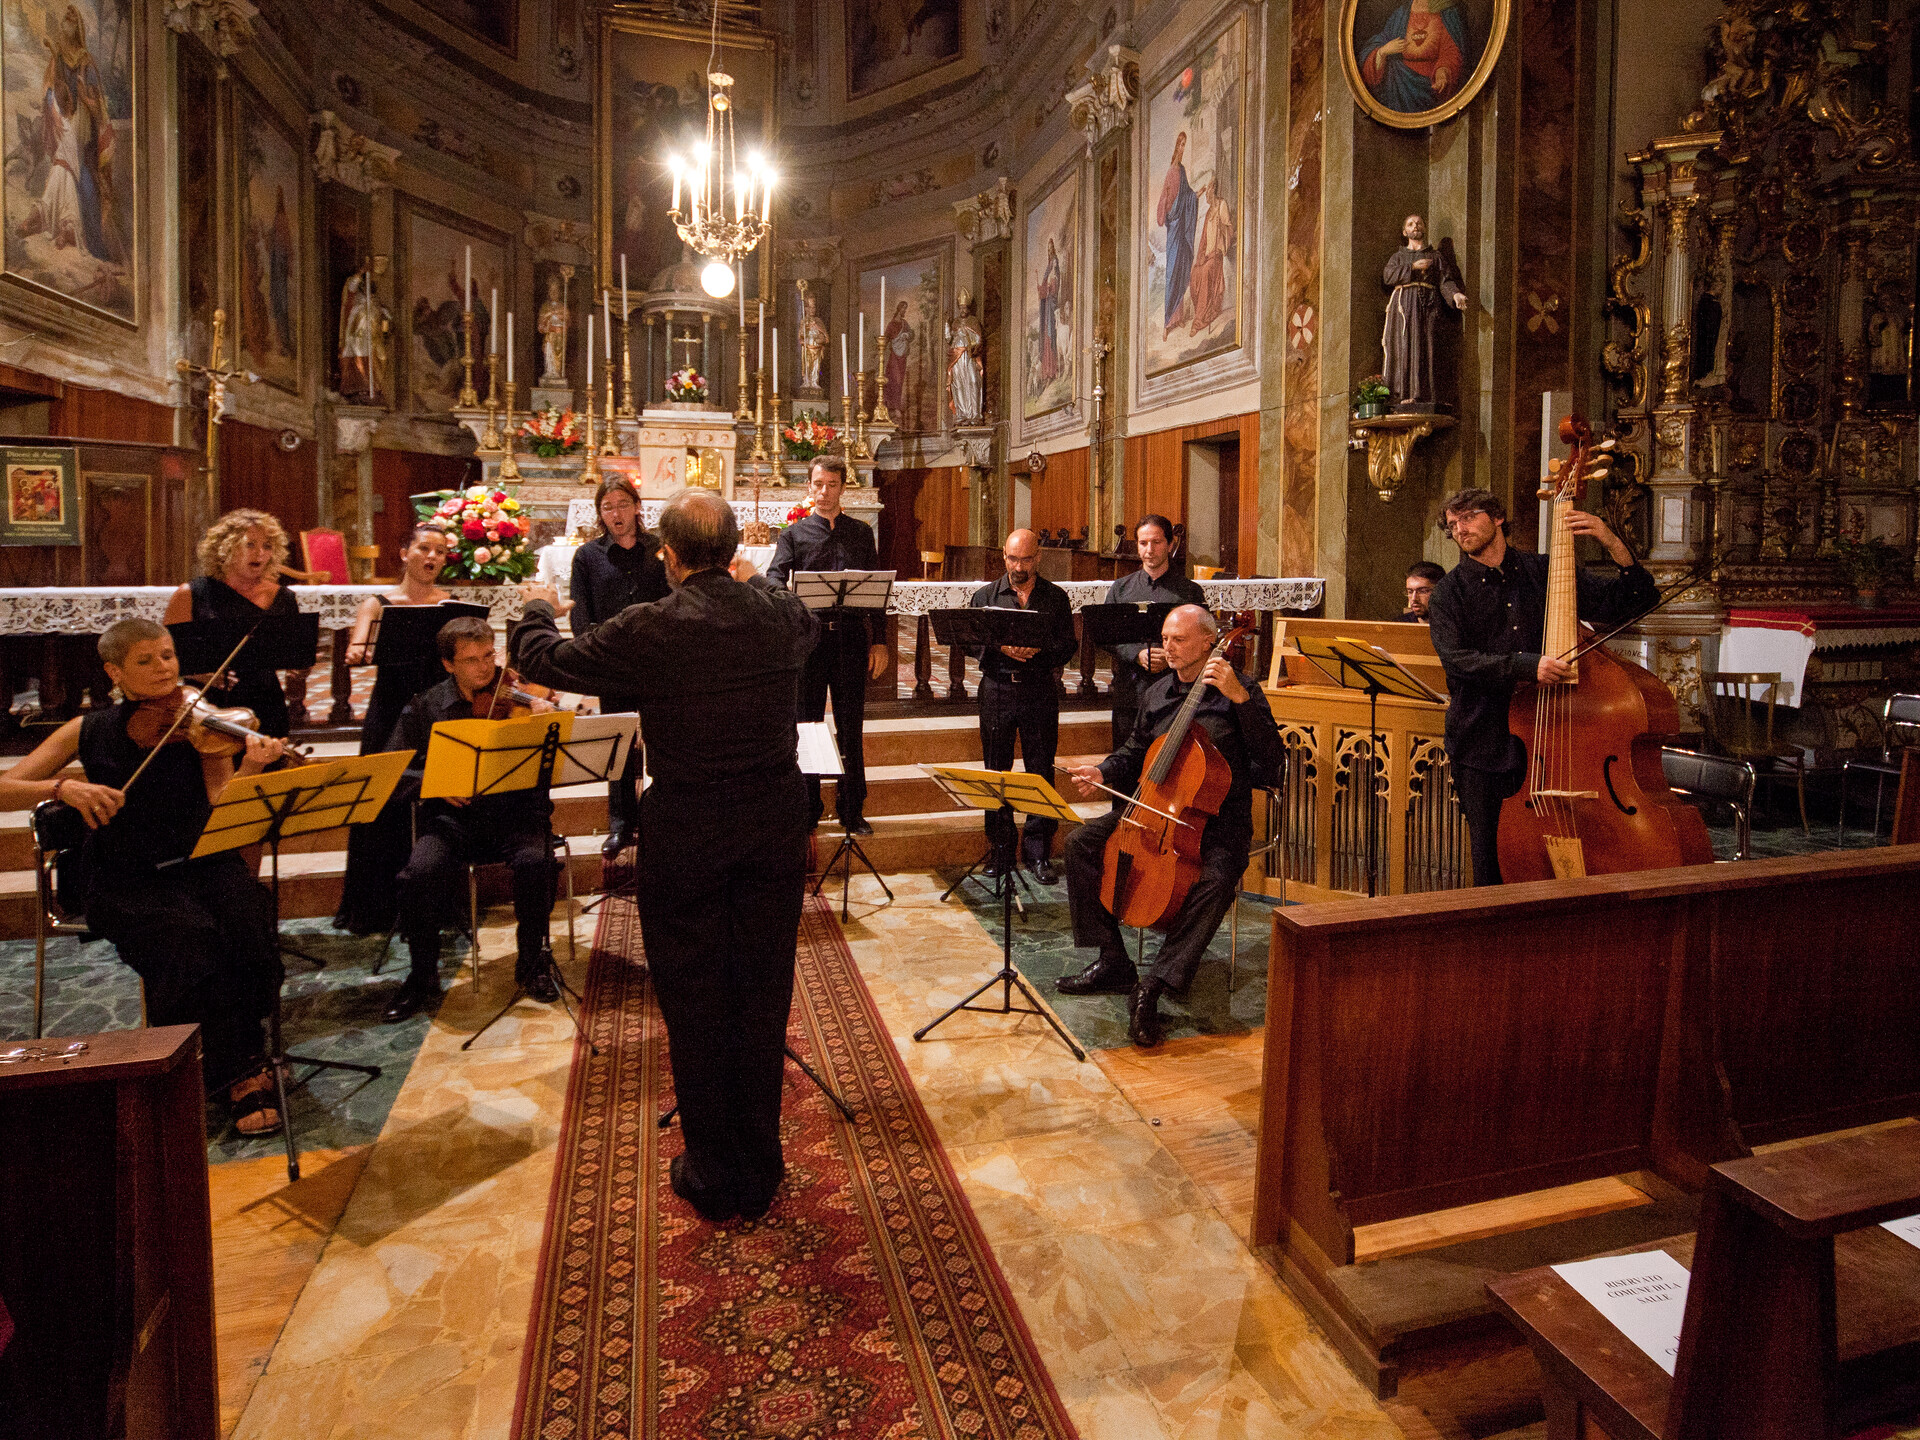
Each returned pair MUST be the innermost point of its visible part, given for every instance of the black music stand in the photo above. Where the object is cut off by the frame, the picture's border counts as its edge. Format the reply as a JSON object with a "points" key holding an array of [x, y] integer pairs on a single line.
{"points": [[1355, 665], [274, 642], [820, 756], [1007, 791], [471, 759], [1123, 624], [255, 809], [410, 634], [980, 628]]}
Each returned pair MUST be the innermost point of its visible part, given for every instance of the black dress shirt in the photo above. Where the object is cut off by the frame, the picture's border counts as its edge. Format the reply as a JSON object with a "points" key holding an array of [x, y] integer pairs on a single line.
{"points": [[1245, 734], [508, 810], [1047, 599], [1488, 625], [1140, 588], [714, 668], [813, 543], [608, 577]]}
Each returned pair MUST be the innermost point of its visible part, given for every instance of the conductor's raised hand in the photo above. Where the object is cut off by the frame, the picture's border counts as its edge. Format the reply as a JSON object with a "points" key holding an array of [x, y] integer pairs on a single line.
{"points": [[533, 590], [1087, 779], [1220, 675]]}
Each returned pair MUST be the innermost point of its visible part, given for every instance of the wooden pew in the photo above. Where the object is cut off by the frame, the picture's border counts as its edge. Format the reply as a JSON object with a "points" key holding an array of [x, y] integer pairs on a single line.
{"points": [[1801, 1319], [1429, 1051]]}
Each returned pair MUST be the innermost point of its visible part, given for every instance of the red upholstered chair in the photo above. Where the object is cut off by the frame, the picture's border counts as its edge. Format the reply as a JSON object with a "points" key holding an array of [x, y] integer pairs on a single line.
{"points": [[324, 552]]}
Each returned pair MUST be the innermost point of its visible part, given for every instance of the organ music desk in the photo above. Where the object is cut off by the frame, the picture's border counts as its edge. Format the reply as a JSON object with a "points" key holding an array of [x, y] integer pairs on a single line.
{"points": [[1330, 754]]}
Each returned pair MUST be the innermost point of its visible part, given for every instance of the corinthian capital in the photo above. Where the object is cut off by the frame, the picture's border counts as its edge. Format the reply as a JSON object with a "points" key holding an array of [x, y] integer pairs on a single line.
{"points": [[223, 26], [1104, 103]]}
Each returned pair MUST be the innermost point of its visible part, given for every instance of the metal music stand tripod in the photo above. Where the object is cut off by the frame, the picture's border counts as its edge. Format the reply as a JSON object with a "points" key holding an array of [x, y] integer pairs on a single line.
{"points": [[820, 756], [1007, 791], [1355, 665]]}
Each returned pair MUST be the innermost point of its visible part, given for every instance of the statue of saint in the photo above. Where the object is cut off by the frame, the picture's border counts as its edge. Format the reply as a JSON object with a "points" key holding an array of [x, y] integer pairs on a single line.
{"points": [[363, 323], [552, 323], [1421, 282], [813, 343], [964, 373]]}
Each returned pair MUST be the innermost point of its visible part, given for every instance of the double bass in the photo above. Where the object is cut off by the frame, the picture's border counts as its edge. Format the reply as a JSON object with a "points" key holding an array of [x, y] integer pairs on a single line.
{"points": [[1595, 800], [1153, 857]]}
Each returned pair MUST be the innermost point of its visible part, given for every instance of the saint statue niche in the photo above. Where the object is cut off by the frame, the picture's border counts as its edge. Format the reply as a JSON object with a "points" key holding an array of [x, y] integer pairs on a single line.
{"points": [[1422, 282], [813, 343], [899, 337], [552, 324], [964, 372], [363, 325]]}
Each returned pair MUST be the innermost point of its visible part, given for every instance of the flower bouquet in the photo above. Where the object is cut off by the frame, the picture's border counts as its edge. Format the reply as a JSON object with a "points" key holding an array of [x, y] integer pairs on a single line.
{"points": [[688, 386], [807, 437], [797, 513], [487, 534], [550, 433]]}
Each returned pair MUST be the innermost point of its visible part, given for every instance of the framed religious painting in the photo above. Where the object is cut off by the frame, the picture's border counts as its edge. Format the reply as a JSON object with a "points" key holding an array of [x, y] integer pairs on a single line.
{"points": [[1193, 204], [69, 199], [1049, 309], [273, 244], [903, 299], [653, 105], [434, 248], [888, 42], [42, 493], [1413, 63]]}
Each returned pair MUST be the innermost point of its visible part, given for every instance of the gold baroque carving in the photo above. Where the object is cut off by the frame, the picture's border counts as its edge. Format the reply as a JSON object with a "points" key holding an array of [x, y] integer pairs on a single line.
{"points": [[1679, 358], [1627, 364]]}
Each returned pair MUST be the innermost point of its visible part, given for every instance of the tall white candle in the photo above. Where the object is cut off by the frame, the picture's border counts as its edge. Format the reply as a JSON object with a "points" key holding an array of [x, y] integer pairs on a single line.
{"points": [[509, 347], [589, 357], [493, 323], [761, 363], [846, 385], [861, 350], [776, 359], [883, 304], [606, 314], [740, 286], [626, 306], [469, 278]]}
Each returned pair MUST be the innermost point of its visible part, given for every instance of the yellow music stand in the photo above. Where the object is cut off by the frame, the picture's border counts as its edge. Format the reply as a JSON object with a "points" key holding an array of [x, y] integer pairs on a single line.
{"points": [[1009, 791]]}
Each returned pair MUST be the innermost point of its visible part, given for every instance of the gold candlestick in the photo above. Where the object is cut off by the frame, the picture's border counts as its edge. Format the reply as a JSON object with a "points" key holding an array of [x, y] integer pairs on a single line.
{"points": [[759, 416], [859, 413], [627, 412], [490, 440], [740, 411], [880, 415], [590, 473], [509, 468], [468, 397], [848, 447], [610, 445]]}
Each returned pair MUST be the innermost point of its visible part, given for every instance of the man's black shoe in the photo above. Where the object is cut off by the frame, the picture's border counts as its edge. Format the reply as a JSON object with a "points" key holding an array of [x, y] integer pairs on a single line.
{"points": [[857, 825], [619, 836], [1045, 871], [710, 1208], [536, 978], [416, 993], [1109, 975], [1143, 1014]]}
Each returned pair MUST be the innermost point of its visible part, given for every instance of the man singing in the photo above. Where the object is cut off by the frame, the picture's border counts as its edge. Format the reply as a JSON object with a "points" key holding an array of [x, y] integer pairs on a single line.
{"points": [[715, 669], [1234, 713], [1156, 582], [852, 646], [1488, 618]]}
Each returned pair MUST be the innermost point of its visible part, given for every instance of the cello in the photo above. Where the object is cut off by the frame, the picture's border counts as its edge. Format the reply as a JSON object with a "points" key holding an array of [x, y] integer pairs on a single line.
{"points": [[1153, 857], [1595, 800]]}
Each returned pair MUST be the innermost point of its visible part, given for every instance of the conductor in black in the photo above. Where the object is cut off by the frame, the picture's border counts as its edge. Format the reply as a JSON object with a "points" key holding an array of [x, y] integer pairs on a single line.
{"points": [[852, 646], [715, 668]]}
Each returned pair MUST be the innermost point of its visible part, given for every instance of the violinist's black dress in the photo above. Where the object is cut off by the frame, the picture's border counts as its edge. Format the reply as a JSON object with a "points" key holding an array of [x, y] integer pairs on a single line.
{"points": [[199, 933], [258, 690]]}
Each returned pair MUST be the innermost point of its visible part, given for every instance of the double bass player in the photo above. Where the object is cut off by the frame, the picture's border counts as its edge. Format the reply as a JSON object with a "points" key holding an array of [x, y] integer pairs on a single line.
{"points": [[1234, 713]]}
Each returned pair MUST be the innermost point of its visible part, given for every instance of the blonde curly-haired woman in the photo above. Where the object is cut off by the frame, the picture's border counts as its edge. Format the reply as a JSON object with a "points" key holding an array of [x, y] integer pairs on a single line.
{"points": [[241, 555]]}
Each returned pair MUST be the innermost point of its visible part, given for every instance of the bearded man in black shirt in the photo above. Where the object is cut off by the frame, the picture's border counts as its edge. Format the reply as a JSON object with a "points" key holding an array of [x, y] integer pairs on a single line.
{"points": [[715, 670]]}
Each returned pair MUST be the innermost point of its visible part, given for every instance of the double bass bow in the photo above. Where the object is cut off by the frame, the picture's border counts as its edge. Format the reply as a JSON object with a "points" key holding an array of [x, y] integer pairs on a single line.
{"points": [[1595, 800], [1153, 858]]}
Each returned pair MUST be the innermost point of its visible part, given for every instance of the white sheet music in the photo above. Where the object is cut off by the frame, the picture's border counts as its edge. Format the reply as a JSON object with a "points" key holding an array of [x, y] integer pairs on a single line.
{"points": [[597, 748], [1907, 1229], [818, 753], [1645, 1296]]}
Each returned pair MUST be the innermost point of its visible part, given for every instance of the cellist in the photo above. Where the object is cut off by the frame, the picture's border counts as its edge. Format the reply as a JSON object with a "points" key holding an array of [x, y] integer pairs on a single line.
{"points": [[1488, 619], [1234, 713]]}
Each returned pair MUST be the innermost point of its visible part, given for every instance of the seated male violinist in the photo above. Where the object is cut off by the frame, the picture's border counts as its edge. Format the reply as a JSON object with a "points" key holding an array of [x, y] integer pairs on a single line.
{"points": [[1234, 713], [199, 933], [512, 826]]}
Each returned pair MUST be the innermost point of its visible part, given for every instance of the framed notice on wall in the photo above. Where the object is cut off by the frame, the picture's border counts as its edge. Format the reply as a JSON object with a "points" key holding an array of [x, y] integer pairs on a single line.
{"points": [[42, 494]]}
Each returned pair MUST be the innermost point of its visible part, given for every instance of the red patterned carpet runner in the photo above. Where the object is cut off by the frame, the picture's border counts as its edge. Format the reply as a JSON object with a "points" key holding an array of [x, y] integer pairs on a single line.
{"points": [[865, 1304]]}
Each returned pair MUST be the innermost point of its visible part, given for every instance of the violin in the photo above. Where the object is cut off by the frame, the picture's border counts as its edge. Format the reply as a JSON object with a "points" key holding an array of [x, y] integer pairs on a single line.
{"points": [[184, 716], [1152, 858], [514, 698], [1595, 801]]}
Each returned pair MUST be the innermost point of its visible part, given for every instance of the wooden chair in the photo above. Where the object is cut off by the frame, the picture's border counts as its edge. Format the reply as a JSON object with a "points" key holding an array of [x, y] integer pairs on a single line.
{"points": [[366, 559], [1735, 727], [1800, 1318], [1715, 777], [1900, 729], [931, 562], [324, 553], [58, 831]]}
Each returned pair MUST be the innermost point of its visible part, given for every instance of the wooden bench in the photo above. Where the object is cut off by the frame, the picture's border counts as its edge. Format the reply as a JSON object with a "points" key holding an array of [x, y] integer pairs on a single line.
{"points": [[1430, 1051], [1802, 1316]]}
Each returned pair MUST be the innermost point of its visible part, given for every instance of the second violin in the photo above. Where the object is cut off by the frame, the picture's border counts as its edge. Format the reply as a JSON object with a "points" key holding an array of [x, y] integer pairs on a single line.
{"points": [[185, 716]]}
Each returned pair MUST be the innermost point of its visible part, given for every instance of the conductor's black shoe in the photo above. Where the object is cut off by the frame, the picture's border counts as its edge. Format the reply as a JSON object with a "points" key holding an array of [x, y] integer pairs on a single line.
{"points": [[1143, 1014], [619, 836], [1109, 975], [416, 993], [536, 978], [710, 1208], [1045, 871], [856, 825]]}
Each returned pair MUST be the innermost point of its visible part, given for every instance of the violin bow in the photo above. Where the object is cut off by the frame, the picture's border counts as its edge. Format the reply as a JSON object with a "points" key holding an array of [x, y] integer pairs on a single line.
{"points": [[167, 734]]}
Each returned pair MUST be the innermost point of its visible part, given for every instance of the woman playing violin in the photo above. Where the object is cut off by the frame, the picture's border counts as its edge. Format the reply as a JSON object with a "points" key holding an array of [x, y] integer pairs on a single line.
{"points": [[241, 554], [198, 932]]}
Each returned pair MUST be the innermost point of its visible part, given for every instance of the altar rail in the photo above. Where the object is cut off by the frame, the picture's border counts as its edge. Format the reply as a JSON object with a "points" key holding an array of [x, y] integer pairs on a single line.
{"points": [[80, 611]]}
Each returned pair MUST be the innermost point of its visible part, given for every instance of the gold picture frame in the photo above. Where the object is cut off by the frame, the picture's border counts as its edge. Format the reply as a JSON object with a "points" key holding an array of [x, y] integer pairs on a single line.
{"points": [[1377, 94]]}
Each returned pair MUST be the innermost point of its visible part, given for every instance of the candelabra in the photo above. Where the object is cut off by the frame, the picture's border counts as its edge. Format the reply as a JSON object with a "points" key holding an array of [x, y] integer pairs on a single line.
{"points": [[880, 415], [740, 411], [773, 427], [490, 440], [468, 397], [850, 445], [610, 445], [627, 411], [759, 416], [509, 467], [590, 473]]}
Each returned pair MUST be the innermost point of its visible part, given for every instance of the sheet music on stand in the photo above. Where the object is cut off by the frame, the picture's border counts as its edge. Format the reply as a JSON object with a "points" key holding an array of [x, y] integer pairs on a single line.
{"points": [[1355, 665], [306, 798], [471, 758], [843, 589], [819, 755], [597, 747]]}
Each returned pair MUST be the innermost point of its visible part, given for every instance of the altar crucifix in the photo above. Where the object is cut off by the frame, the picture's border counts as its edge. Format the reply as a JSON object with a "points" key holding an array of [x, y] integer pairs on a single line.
{"points": [[689, 339]]}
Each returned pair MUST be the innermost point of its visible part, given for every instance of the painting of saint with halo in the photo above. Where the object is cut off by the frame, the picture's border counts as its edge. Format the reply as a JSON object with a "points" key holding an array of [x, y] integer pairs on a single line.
{"points": [[1417, 62]]}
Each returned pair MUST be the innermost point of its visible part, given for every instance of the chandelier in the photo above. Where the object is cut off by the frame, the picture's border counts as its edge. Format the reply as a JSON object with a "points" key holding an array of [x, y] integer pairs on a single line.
{"points": [[727, 204]]}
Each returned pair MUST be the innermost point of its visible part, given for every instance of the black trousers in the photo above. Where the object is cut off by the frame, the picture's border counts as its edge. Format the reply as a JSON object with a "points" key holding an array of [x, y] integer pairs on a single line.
{"points": [[722, 877], [1125, 697], [838, 666], [1030, 710], [433, 880], [1482, 793], [1223, 860]]}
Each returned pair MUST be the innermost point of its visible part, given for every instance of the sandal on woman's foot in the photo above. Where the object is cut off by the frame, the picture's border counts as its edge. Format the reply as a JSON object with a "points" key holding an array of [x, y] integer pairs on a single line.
{"points": [[254, 1107]]}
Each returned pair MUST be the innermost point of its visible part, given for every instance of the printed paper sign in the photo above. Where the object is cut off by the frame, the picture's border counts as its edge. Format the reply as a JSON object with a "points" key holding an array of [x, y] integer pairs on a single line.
{"points": [[1645, 1296], [1907, 1229]]}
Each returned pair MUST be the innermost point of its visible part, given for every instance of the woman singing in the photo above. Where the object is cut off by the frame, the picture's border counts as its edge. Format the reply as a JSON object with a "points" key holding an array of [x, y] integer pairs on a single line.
{"points": [[241, 553], [199, 933], [377, 850], [619, 567]]}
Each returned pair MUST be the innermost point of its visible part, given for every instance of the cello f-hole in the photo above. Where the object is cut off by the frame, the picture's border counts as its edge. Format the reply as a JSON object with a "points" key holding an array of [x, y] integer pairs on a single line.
{"points": [[1606, 773]]}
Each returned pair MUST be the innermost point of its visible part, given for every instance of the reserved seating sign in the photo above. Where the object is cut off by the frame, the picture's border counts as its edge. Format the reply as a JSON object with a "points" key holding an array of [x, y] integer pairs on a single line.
{"points": [[1644, 1296]]}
